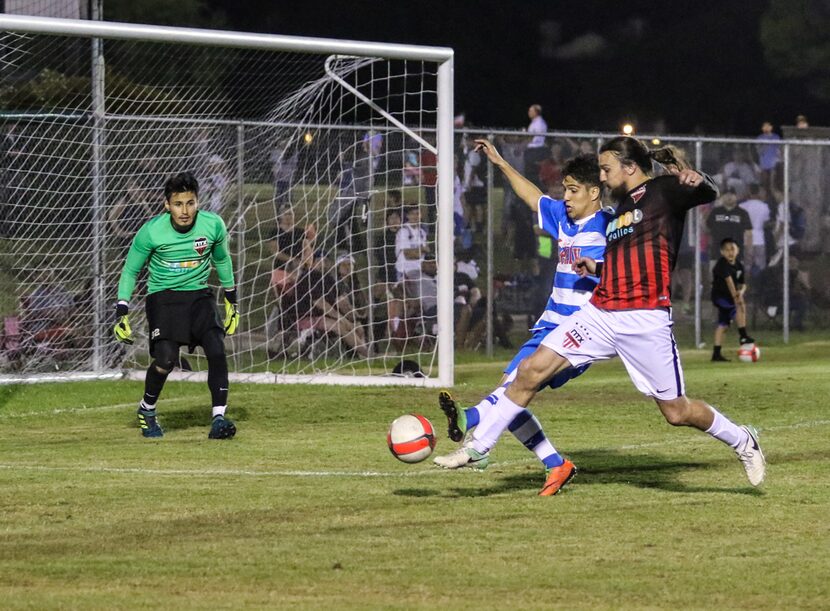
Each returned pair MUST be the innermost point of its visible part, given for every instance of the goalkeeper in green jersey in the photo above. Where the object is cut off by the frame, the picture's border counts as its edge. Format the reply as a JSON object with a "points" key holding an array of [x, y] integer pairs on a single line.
{"points": [[178, 246]]}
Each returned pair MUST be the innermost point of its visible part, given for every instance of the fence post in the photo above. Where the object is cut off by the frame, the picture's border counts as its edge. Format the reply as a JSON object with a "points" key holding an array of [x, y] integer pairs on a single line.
{"points": [[490, 296], [698, 283], [97, 171], [240, 206], [785, 281]]}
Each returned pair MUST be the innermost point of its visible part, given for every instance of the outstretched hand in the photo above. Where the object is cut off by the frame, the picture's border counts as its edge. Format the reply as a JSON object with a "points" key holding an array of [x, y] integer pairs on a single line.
{"points": [[490, 150], [584, 266]]}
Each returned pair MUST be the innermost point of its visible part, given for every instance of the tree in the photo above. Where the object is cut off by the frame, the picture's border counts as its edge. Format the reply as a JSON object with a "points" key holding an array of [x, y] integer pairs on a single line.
{"points": [[795, 41]]}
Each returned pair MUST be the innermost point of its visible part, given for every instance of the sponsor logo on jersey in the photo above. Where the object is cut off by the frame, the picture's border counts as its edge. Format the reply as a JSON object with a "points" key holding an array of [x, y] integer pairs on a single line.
{"points": [[200, 245], [623, 224], [183, 264], [638, 194]]}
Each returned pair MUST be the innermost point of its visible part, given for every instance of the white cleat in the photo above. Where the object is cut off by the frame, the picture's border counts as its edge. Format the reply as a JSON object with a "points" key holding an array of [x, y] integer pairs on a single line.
{"points": [[751, 456], [465, 456]]}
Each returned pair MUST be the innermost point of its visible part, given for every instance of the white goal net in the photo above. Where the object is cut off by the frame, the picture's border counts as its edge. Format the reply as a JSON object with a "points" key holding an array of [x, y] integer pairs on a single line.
{"points": [[320, 157]]}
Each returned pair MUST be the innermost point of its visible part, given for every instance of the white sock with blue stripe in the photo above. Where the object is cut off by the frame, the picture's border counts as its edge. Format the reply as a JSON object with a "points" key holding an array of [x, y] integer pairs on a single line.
{"points": [[494, 422], [528, 430], [473, 415]]}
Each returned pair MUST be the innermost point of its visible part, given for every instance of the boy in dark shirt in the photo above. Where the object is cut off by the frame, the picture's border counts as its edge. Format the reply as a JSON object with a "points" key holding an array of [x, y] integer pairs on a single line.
{"points": [[728, 288]]}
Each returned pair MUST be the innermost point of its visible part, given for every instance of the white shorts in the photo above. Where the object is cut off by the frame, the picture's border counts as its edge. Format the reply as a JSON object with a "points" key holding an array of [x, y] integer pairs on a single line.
{"points": [[643, 339]]}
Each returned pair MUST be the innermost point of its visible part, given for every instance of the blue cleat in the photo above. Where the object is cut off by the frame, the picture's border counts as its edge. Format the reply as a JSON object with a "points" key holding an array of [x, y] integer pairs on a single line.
{"points": [[148, 422], [221, 428]]}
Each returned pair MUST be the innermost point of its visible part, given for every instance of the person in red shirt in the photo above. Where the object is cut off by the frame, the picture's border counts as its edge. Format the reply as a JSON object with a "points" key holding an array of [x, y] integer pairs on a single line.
{"points": [[629, 314]]}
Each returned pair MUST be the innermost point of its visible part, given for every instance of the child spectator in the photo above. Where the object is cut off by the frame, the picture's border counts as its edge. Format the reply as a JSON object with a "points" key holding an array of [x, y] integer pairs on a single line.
{"points": [[728, 288]]}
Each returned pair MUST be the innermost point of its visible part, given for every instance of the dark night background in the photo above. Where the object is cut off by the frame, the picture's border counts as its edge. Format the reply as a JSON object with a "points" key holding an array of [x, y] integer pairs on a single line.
{"points": [[677, 67]]}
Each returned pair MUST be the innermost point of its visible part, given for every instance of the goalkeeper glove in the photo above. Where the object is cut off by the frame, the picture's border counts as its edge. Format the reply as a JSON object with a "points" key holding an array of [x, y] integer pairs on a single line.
{"points": [[231, 312], [123, 332]]}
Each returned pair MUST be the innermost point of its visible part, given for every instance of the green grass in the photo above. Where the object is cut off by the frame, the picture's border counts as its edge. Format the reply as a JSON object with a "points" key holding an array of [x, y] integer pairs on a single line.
{"points": [[307, 509]]}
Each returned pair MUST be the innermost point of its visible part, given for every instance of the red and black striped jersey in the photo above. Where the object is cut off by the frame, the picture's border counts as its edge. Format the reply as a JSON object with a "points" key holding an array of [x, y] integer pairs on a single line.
{"points": [[643, 240]]}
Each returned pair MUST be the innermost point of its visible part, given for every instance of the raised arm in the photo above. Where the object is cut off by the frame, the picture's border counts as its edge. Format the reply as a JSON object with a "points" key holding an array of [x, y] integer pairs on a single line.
{"points": [[526, 190]]}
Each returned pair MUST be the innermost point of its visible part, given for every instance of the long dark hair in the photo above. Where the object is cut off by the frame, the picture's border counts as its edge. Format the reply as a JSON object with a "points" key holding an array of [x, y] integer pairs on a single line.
{"points": [[633, 151]]}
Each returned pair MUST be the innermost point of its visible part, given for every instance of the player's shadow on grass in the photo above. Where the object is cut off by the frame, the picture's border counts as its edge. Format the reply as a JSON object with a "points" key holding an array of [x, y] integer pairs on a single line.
{"points": [[179, 418], [597, 467]]}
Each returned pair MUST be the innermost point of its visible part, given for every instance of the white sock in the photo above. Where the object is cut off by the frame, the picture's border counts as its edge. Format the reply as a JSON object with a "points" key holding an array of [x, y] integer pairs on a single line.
{"points": [[219, 410], [145, 405], [487, 404], [494, 423], [725, 430]]}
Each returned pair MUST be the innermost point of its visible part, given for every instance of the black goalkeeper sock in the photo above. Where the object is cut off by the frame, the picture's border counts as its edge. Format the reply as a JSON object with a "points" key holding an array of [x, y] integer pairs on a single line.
{"points": [[153, 383], [218, 379]]}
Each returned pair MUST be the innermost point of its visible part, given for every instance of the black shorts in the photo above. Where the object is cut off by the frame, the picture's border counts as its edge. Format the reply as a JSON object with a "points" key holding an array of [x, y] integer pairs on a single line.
{"points": [[183, 317], [726, 311]]}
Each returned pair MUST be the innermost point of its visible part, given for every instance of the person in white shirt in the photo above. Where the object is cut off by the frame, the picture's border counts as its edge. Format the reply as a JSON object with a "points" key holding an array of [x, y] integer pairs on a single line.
{"points": [[410, 243], [536, 151], [759, 215]]}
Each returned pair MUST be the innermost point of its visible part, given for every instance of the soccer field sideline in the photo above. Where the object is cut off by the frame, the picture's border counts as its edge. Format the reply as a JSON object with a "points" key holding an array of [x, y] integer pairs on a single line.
{"points": [[367, 474]]}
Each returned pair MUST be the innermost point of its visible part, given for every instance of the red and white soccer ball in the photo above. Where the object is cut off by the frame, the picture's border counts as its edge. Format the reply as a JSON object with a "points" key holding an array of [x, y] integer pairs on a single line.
{"points": [[411, 438], [749, 353]]}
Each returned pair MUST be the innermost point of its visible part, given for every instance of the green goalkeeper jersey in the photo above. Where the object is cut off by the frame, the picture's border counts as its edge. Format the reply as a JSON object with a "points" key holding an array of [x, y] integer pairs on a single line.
{"points": [[178, 261]]}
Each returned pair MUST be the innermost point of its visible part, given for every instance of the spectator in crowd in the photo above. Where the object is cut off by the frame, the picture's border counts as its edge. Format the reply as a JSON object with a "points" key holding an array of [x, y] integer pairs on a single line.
{"points": [[740, 172], [801, 291], [728, 288], [45, 314], [797, 228], [801, 122], [536, 152], [461, 230], [286, 245], [385, 257], [346, 208], [467, 272], [727, 220], [410, 243], [769, 156], [513, 149], [550, 170], [312, 303], [429, 179], [373, 148], [422, 293], [130, 212], [475, 185], [284, 162], [759, 216], [350, 300], [215, 185]]}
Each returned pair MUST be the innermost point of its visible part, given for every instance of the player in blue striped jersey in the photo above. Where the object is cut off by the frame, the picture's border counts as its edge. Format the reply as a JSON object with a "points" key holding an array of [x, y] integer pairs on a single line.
{"points": [[578, 224]]}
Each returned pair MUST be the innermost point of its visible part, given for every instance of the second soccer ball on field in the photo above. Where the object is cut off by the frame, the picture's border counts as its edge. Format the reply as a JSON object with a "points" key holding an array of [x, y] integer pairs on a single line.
{"points": [[749, 353]]}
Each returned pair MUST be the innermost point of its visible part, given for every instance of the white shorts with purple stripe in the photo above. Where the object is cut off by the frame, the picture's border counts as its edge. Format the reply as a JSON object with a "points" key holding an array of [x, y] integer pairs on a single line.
{"points": [[642, 339]]}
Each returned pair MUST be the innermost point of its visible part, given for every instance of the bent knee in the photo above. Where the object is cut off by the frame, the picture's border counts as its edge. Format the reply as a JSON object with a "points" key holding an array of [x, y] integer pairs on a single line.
{"points": [[675, 411]]}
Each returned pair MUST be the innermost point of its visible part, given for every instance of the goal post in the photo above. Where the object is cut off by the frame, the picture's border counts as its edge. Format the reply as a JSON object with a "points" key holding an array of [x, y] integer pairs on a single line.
{"points": [[326, 134]]}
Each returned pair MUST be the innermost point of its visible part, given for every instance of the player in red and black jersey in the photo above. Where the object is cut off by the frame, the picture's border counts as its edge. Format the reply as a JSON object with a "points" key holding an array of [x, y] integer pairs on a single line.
{"points": [[644, 238], [629, 314]]}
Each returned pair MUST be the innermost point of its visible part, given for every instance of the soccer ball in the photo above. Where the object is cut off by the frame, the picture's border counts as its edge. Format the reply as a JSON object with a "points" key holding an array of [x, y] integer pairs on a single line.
{"points": [[411, 438], [749, 353]]}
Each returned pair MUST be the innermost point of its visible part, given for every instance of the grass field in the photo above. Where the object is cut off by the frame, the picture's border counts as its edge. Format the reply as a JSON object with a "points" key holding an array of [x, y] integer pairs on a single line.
{"points": [[307, 509]]}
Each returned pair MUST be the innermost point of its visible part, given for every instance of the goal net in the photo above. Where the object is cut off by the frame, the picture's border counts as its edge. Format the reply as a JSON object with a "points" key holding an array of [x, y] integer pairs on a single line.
{"points": [[320, 156]]}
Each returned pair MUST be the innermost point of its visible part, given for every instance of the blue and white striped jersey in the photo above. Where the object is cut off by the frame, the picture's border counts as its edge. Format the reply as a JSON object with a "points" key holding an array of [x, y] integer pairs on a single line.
{"points": [[582, 238]]}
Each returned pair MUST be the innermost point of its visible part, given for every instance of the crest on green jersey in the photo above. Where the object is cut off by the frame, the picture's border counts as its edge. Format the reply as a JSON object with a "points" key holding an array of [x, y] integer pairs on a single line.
{"points": [[200, 244]]}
